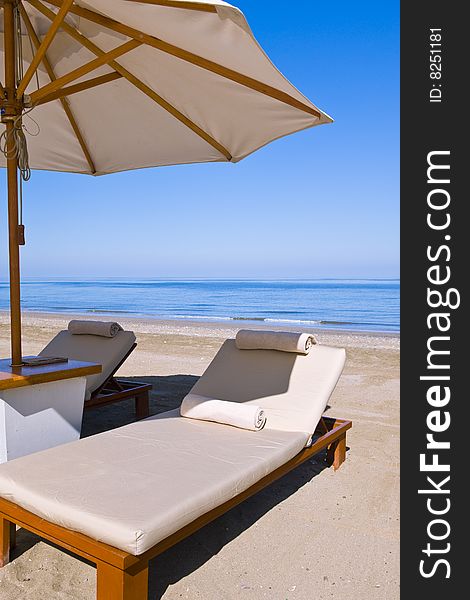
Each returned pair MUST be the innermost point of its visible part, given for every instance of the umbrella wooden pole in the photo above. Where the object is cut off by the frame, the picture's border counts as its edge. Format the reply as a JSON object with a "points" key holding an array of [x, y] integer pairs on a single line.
{"points": [[12, 109], [15, 302]]}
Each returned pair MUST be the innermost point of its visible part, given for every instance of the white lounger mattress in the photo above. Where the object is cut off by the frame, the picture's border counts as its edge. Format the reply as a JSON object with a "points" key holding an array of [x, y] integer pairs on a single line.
{"points": [[134, 486], [107, 352]]}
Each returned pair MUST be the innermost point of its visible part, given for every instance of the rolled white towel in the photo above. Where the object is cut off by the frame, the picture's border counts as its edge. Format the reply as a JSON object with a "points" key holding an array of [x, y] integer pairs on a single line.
{"points": [[101, 328], [285, 341], [244, 416]]}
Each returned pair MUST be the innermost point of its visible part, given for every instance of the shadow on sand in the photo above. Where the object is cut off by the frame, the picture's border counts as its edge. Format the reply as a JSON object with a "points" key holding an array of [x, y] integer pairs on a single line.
{"points": [[190, 554]]}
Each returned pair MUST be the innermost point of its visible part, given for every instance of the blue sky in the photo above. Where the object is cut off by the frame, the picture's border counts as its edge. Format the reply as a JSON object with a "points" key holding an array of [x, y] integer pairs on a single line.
{"points": [[321, 203]]}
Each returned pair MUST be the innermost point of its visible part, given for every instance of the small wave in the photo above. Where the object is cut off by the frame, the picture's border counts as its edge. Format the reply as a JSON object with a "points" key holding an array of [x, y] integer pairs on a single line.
{"points": [[259, 319], [109, 312], [357, 323], [296, 321]]}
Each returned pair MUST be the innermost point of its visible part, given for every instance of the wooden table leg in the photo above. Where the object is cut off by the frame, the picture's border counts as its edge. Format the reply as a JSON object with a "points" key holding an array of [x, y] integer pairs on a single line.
{"points": [[142, 409], [115, 584]]}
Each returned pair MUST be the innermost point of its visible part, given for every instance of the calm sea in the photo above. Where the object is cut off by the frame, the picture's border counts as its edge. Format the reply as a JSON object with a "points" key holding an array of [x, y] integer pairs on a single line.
{"points": [[352, 305]]}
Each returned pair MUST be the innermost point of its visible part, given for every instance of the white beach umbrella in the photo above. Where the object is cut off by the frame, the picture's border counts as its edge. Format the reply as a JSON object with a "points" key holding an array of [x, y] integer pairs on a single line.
{"points": [[102, 86]]}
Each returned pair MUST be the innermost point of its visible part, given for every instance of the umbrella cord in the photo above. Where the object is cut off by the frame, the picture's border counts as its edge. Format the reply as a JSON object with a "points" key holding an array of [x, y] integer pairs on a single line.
{"points": [[21, 236], [19, 147]]}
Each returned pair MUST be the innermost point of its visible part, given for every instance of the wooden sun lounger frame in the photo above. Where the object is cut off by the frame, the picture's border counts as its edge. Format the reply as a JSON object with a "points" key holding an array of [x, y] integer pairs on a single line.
{"points": [[123, 576], [117, 389]]}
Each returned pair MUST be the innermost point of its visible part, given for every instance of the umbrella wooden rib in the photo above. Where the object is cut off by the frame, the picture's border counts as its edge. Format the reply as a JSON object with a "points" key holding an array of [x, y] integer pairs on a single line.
{"points": [[70, 90], [41, 51], [84, 69], [50, 71], [187, 56], [135, 81]]}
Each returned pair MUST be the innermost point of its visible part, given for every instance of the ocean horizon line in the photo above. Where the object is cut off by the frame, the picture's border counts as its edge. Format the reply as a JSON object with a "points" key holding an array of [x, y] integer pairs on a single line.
{"points": [[36, 279]]}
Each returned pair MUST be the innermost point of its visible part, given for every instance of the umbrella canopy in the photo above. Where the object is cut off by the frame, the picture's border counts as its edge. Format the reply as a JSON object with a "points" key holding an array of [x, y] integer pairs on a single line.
{"points": [[175, 82], [102, 86]]}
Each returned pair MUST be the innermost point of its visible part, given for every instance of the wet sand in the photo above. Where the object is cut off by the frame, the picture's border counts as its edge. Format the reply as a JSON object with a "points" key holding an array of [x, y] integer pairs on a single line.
{"points": [[313, 535]]}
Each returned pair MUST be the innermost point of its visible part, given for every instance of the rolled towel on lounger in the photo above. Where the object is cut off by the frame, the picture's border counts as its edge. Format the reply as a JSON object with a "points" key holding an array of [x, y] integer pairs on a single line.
{"points": [[243, 416], [101, 328], [285, 341]]}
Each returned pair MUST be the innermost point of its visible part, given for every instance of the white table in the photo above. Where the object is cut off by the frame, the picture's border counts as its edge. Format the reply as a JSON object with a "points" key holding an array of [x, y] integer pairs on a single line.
{"points": [[41, 406]]}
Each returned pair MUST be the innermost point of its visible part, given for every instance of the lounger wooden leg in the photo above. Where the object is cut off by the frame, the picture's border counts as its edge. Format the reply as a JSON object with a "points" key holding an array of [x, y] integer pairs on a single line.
{"points": [[142, 410], [114, 584], [6, 538], [336, 454], [339, 453], [12, 536]]}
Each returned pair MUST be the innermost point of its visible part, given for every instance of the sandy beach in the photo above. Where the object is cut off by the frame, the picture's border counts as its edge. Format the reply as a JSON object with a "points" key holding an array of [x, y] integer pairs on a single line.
{"points": [[313, 535]]}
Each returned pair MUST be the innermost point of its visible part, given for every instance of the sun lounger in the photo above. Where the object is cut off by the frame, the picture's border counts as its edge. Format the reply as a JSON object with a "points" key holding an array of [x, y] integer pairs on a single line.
{"points": [[124, 496], [111, 353]]}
